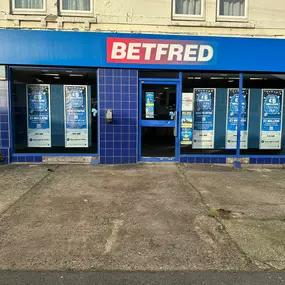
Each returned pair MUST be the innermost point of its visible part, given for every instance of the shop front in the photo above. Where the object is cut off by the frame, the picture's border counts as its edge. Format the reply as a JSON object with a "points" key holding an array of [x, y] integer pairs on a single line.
{"points": [[125, 98]]}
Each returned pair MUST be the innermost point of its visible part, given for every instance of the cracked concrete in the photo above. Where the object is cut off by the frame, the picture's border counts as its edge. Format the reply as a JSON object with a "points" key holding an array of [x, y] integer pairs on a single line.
{"points": [[141, 217]]}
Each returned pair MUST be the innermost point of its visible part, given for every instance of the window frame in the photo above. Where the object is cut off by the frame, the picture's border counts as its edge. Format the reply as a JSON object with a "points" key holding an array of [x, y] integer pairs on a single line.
{"points": [[200, 17], [73, 13], [28, 10], [225, 18]]}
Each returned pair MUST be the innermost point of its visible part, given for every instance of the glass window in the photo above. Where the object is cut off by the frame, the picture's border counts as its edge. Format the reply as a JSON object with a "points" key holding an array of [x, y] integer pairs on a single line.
{"points": [[29, 4], [232, 8], [204, 113], [188, 7], [266, 130], [76, 5], [54, 111]]}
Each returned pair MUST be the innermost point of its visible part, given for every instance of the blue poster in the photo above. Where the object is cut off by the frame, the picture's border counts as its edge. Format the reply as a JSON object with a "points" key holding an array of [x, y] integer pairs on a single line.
{"points": [[232, 119], [271, 119], [38, 115], [76, 116], [204, 118], [186, 127], [149, 105]]}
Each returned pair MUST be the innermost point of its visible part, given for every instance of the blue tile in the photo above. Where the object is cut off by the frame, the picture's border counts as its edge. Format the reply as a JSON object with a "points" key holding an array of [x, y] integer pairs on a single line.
{"points": [[133, 160], [125, 160], [183, 159], [206, 160], [4, 151], [4, 135], [14, 159], [282, 160], [260, 161], [38, 159], [109, 160], [125, 152], [117, 152], [109, 152], [275, 160], [118, 80], [198, 160], [109, 144], [134, 81], [30, 158], [4, 126], [117, 160], [103, 160], [214, 160], [267, 161], [133, 152], [21, 159], [5, 143], [252, 160], [4, 118], [190, 159], [222, 160]]}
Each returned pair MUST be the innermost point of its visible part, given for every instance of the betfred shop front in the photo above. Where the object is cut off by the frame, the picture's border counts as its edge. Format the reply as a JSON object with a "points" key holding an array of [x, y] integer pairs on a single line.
{"points": [[125, 98]]}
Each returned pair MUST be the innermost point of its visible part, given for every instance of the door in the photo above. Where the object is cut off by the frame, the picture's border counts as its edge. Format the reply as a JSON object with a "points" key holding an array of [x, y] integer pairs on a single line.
{"points": [[158, 120]]}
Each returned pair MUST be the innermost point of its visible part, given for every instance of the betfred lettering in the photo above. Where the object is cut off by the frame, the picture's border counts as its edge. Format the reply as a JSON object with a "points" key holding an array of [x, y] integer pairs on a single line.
{"points": [[158, 51]]}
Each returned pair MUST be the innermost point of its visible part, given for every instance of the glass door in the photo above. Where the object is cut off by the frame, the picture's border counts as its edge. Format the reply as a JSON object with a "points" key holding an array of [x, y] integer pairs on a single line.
{"points": [[158, 129]]}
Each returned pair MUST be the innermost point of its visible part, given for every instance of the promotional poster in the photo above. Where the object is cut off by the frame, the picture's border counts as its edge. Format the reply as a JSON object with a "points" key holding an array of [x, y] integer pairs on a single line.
{"points": [[38, 115], [204, 118], [271, 119], [149, 105], [232, 118], [187, 119], [76, 116]]}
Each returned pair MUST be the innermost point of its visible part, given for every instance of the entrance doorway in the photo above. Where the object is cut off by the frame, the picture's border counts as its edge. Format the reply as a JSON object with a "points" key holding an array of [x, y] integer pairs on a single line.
{"points": [[158, 120]]}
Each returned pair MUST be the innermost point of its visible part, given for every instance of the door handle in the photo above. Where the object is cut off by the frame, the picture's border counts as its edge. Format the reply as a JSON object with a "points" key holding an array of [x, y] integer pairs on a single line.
{"points": [[175, 124]]}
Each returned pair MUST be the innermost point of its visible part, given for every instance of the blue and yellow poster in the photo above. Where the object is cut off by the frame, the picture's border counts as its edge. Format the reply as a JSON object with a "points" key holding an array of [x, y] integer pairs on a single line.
{"points": [[271, 119], [204, 118], [232, 118], [76, 116], [186, 128], [38, 115], [149, 105]]}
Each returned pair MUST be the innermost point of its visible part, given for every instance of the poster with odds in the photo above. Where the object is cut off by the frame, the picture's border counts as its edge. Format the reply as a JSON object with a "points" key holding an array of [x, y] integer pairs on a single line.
{"points": [[232, 118], [38, 115], [76, 117], [204, 118], [271, 119]]}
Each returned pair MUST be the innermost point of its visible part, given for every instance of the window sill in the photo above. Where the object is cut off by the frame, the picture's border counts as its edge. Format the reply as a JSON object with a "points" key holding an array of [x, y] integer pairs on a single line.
{"points": [[76, 14], [28, 12], [218, 24], [187, 18], [232, 19]]}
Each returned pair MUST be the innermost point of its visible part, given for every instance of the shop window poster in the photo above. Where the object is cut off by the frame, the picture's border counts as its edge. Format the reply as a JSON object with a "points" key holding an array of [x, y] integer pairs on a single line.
{"points": [[186, 134], [149, 105], [38, 115], [204, 118], [271, 119], [232, 118], [76, 116]]}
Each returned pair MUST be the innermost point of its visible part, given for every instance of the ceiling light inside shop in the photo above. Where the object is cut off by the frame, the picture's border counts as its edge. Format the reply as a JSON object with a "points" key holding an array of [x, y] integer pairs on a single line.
{"points": [[217, 78], [166, 88], [257, 78], [56, 77], [51, 74], [231, 80], [76, 75], [190, 77]]}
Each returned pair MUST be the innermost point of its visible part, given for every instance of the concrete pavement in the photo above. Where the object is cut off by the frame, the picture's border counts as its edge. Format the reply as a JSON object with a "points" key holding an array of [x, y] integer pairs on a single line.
{"points": [[146, 217]]}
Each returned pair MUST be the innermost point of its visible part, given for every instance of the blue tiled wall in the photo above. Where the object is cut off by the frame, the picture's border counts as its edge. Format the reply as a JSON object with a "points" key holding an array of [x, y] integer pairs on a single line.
{"points": [[118, 91], [4, 121]]}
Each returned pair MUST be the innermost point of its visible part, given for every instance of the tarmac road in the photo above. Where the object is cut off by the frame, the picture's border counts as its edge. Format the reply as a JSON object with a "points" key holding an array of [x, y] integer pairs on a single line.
{"points": [[141, 278]]}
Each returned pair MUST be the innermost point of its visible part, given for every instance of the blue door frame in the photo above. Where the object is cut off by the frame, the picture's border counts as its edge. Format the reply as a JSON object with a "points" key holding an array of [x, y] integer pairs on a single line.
{"points": [[163, 123]]}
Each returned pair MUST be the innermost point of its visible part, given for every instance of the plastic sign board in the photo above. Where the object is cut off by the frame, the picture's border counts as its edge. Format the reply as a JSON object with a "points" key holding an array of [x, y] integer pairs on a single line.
{"points": [[155, 51], [38, 115], [232, 118], [75, 115], [187, 119], [271, 118], [204, 118]]}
